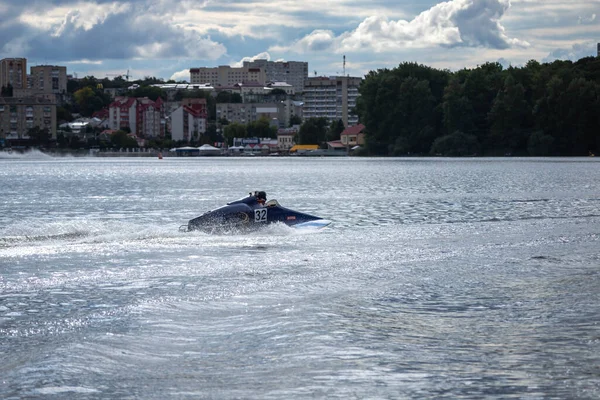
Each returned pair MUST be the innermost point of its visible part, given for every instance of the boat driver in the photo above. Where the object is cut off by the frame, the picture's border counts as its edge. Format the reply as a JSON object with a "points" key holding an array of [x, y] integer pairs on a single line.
{"points": [[261, 197]]}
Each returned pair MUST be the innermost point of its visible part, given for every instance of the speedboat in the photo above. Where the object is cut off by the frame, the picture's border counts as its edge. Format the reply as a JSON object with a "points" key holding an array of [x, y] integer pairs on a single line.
{"points": [[251, 212]]}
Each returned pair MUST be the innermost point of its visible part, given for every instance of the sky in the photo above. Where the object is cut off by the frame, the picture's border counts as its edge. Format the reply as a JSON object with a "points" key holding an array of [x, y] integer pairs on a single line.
{"points": [[165, 38]]}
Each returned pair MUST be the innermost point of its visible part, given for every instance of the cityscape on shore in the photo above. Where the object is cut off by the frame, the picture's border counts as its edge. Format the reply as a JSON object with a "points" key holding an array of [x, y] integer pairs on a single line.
{"points": [[275, 108], [256, 108]]}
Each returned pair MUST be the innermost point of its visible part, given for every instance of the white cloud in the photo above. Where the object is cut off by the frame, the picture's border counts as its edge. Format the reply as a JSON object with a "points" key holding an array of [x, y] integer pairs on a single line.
{"points": [[84, 61], [456, 23], [317, 40], [586, 20], [261, 56], [183, 75]]}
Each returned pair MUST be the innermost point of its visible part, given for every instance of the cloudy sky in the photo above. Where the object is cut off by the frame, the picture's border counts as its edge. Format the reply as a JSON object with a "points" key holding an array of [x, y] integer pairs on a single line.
{"points": [[164, 38]]}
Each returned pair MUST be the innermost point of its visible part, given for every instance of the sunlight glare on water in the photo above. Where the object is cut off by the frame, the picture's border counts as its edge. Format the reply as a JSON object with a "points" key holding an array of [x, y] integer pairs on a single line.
{"points": [[438, 278]]}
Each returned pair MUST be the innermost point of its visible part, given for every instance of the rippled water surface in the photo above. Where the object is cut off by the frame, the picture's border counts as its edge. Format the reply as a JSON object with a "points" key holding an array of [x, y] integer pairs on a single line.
{"points": [[438, 278]]}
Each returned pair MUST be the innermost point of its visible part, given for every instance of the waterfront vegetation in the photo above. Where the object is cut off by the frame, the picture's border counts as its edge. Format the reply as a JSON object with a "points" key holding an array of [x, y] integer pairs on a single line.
{"points": [[538, 110]]}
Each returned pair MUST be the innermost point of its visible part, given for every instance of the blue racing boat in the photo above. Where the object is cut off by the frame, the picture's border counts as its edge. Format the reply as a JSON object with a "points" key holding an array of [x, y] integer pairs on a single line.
{"points": [[253, 211]]}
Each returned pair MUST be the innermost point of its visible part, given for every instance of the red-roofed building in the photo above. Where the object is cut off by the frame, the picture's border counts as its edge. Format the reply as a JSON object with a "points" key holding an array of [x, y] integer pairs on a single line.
{"points": [[141, 115], [336, 145], [353, 136], [102, 114], [148, 116], [188, 121], [106, 134]]}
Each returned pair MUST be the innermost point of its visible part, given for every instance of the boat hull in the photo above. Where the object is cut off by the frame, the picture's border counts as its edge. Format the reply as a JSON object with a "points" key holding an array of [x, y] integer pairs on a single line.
{"points": [[247, 213]]}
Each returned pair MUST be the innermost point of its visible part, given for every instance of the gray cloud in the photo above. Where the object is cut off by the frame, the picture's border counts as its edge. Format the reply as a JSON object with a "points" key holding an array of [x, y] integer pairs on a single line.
{"points": [[102, 30], [479, 23], [574, 53]]}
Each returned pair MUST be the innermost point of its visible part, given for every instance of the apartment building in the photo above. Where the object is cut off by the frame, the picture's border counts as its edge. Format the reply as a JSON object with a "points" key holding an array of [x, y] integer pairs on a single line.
{"points": [[225, 75], [122, 114], [292, 108], [331, 97], [49, 79], [13, 72], [142, 116], [188, 121], [149, 118], [245, 113], [292, 72], [19, 115]]}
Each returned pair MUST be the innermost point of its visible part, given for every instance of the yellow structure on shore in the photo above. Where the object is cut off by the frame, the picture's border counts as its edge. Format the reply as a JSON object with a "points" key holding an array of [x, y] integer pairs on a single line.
{"points": [[303, 147]]}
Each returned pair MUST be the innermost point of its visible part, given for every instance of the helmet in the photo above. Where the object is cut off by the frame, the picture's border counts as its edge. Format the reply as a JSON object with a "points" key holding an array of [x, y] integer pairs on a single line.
{"points": [[261, 195]]}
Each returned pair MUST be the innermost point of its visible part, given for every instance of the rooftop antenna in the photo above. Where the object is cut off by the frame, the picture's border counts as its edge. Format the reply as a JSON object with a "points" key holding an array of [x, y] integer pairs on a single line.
{"points": [[315, 72], [344, 74]]}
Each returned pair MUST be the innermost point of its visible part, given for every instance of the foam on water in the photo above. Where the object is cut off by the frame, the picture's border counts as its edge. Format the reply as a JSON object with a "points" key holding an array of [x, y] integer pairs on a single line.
{"points": [[33, 154]]}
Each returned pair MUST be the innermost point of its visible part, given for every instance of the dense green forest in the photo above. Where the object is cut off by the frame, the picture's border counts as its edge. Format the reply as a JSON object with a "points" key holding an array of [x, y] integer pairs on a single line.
{"points": [[539, 109]]}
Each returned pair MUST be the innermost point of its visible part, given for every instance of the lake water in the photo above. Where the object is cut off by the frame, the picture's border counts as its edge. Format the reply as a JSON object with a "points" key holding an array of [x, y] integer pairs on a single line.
{"points": [[439, 278]]}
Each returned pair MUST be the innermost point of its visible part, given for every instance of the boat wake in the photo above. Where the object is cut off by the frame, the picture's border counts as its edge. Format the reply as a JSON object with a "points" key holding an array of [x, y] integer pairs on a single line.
{"points": [[94, 232], [33, 154]]}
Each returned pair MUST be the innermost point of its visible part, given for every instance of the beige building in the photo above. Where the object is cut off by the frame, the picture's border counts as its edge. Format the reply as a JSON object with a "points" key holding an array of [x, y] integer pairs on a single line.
{"points": [[225, 75], [332, 98], [285, 138], [13, 71], [292, 72], [49, 79], [19, 115], [245, 113]]}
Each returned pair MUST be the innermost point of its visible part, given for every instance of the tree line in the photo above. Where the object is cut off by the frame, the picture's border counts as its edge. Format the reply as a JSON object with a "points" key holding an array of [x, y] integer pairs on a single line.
{"points": [[540, 109]]}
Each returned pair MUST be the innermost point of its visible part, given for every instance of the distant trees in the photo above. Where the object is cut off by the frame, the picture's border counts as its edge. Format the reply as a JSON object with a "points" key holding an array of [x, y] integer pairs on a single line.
{"points": [[313, 131], [88, 100], [7, 91], [228, 97], [151, 92], [261, 128], [538, 109], [295, 120], [335, 129], [39, 136], [234, 130], [121, 139]]}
